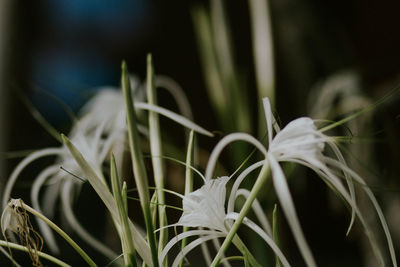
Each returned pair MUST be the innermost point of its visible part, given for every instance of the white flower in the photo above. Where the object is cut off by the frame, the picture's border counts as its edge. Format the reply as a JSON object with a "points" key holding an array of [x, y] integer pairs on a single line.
{"points": [[100, 128], [301, 142], [205, 207], [299, 139]]}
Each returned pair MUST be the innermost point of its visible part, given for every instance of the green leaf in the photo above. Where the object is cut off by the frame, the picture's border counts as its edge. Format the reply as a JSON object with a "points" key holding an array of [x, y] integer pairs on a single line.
{"points": [[105, 195], [139, 170]]}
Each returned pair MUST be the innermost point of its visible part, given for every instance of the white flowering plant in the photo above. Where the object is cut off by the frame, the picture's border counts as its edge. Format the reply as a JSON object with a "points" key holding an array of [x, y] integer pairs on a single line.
{"points": [[212, 213], [114, 122]]}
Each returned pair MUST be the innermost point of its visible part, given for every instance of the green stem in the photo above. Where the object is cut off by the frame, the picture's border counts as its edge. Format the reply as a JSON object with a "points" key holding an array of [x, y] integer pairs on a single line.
{"points": [[188, 181], [125, 233], [61, 233], [41, 254], [262, 177], [156, 150], [275, 232], [139, 170]]}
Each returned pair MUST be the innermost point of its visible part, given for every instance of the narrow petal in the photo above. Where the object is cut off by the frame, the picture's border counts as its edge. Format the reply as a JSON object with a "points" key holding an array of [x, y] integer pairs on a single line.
{"points": [[44, 228], [323, 171], [212, 162], [238, 181], [349, 181], [177, 93], [285, 198], [14, 175], [378, 209], [66, 202], [173, 116], [193, 245], [183, 235], [268, 117]]}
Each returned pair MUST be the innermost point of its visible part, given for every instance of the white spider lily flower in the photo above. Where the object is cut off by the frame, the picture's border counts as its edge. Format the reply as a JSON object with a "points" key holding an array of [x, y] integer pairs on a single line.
{"points": [[301, 142], [205, 208], [299, 139], [94, 148], [100, 128], [105, 107]]}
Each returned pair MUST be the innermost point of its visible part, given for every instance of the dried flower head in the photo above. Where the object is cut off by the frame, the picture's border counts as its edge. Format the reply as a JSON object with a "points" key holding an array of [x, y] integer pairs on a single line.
{"points": [[16, 219]]}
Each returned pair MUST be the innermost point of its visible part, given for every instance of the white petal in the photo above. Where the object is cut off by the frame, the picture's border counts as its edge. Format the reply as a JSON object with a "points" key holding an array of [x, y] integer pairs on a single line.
{"points": [[183, 235], [205, 207], [191, 246], [238, 181], [173, 116], [224, 142], [14, 175], [66, 201], [285, 198], [271, 122], [44, 228]]}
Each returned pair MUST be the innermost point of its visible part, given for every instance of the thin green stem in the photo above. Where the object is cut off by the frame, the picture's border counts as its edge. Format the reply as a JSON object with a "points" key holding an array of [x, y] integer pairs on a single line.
{"points": [[41, 254], [156, 150], [61, 233], [128, 246], [188, 181], [262, 177], [275, 232], [139, 170]]}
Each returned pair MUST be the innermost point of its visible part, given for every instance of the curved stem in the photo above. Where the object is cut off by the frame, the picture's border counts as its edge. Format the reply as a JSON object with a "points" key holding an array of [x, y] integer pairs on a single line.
{"points": [[41, 254]]}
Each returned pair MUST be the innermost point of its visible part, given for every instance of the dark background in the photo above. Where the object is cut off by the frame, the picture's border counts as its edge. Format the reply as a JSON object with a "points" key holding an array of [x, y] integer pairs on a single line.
{"points": [[69, 49]]}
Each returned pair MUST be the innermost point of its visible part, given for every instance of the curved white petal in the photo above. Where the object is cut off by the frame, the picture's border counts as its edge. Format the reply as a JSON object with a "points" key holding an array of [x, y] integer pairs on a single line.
{"points": [[25, 162], [223, 143], [238, 181], [285, 198], [183, 235], [44, 228], [173, 116], [371, 196], [177, 93], [323, 171], [349, 181], [191, 246], [66, 194], [271, 122]]}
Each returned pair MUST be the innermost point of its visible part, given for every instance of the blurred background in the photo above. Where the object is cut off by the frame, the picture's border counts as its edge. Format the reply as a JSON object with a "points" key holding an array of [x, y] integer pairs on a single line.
{"points": [[62, 51]]}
